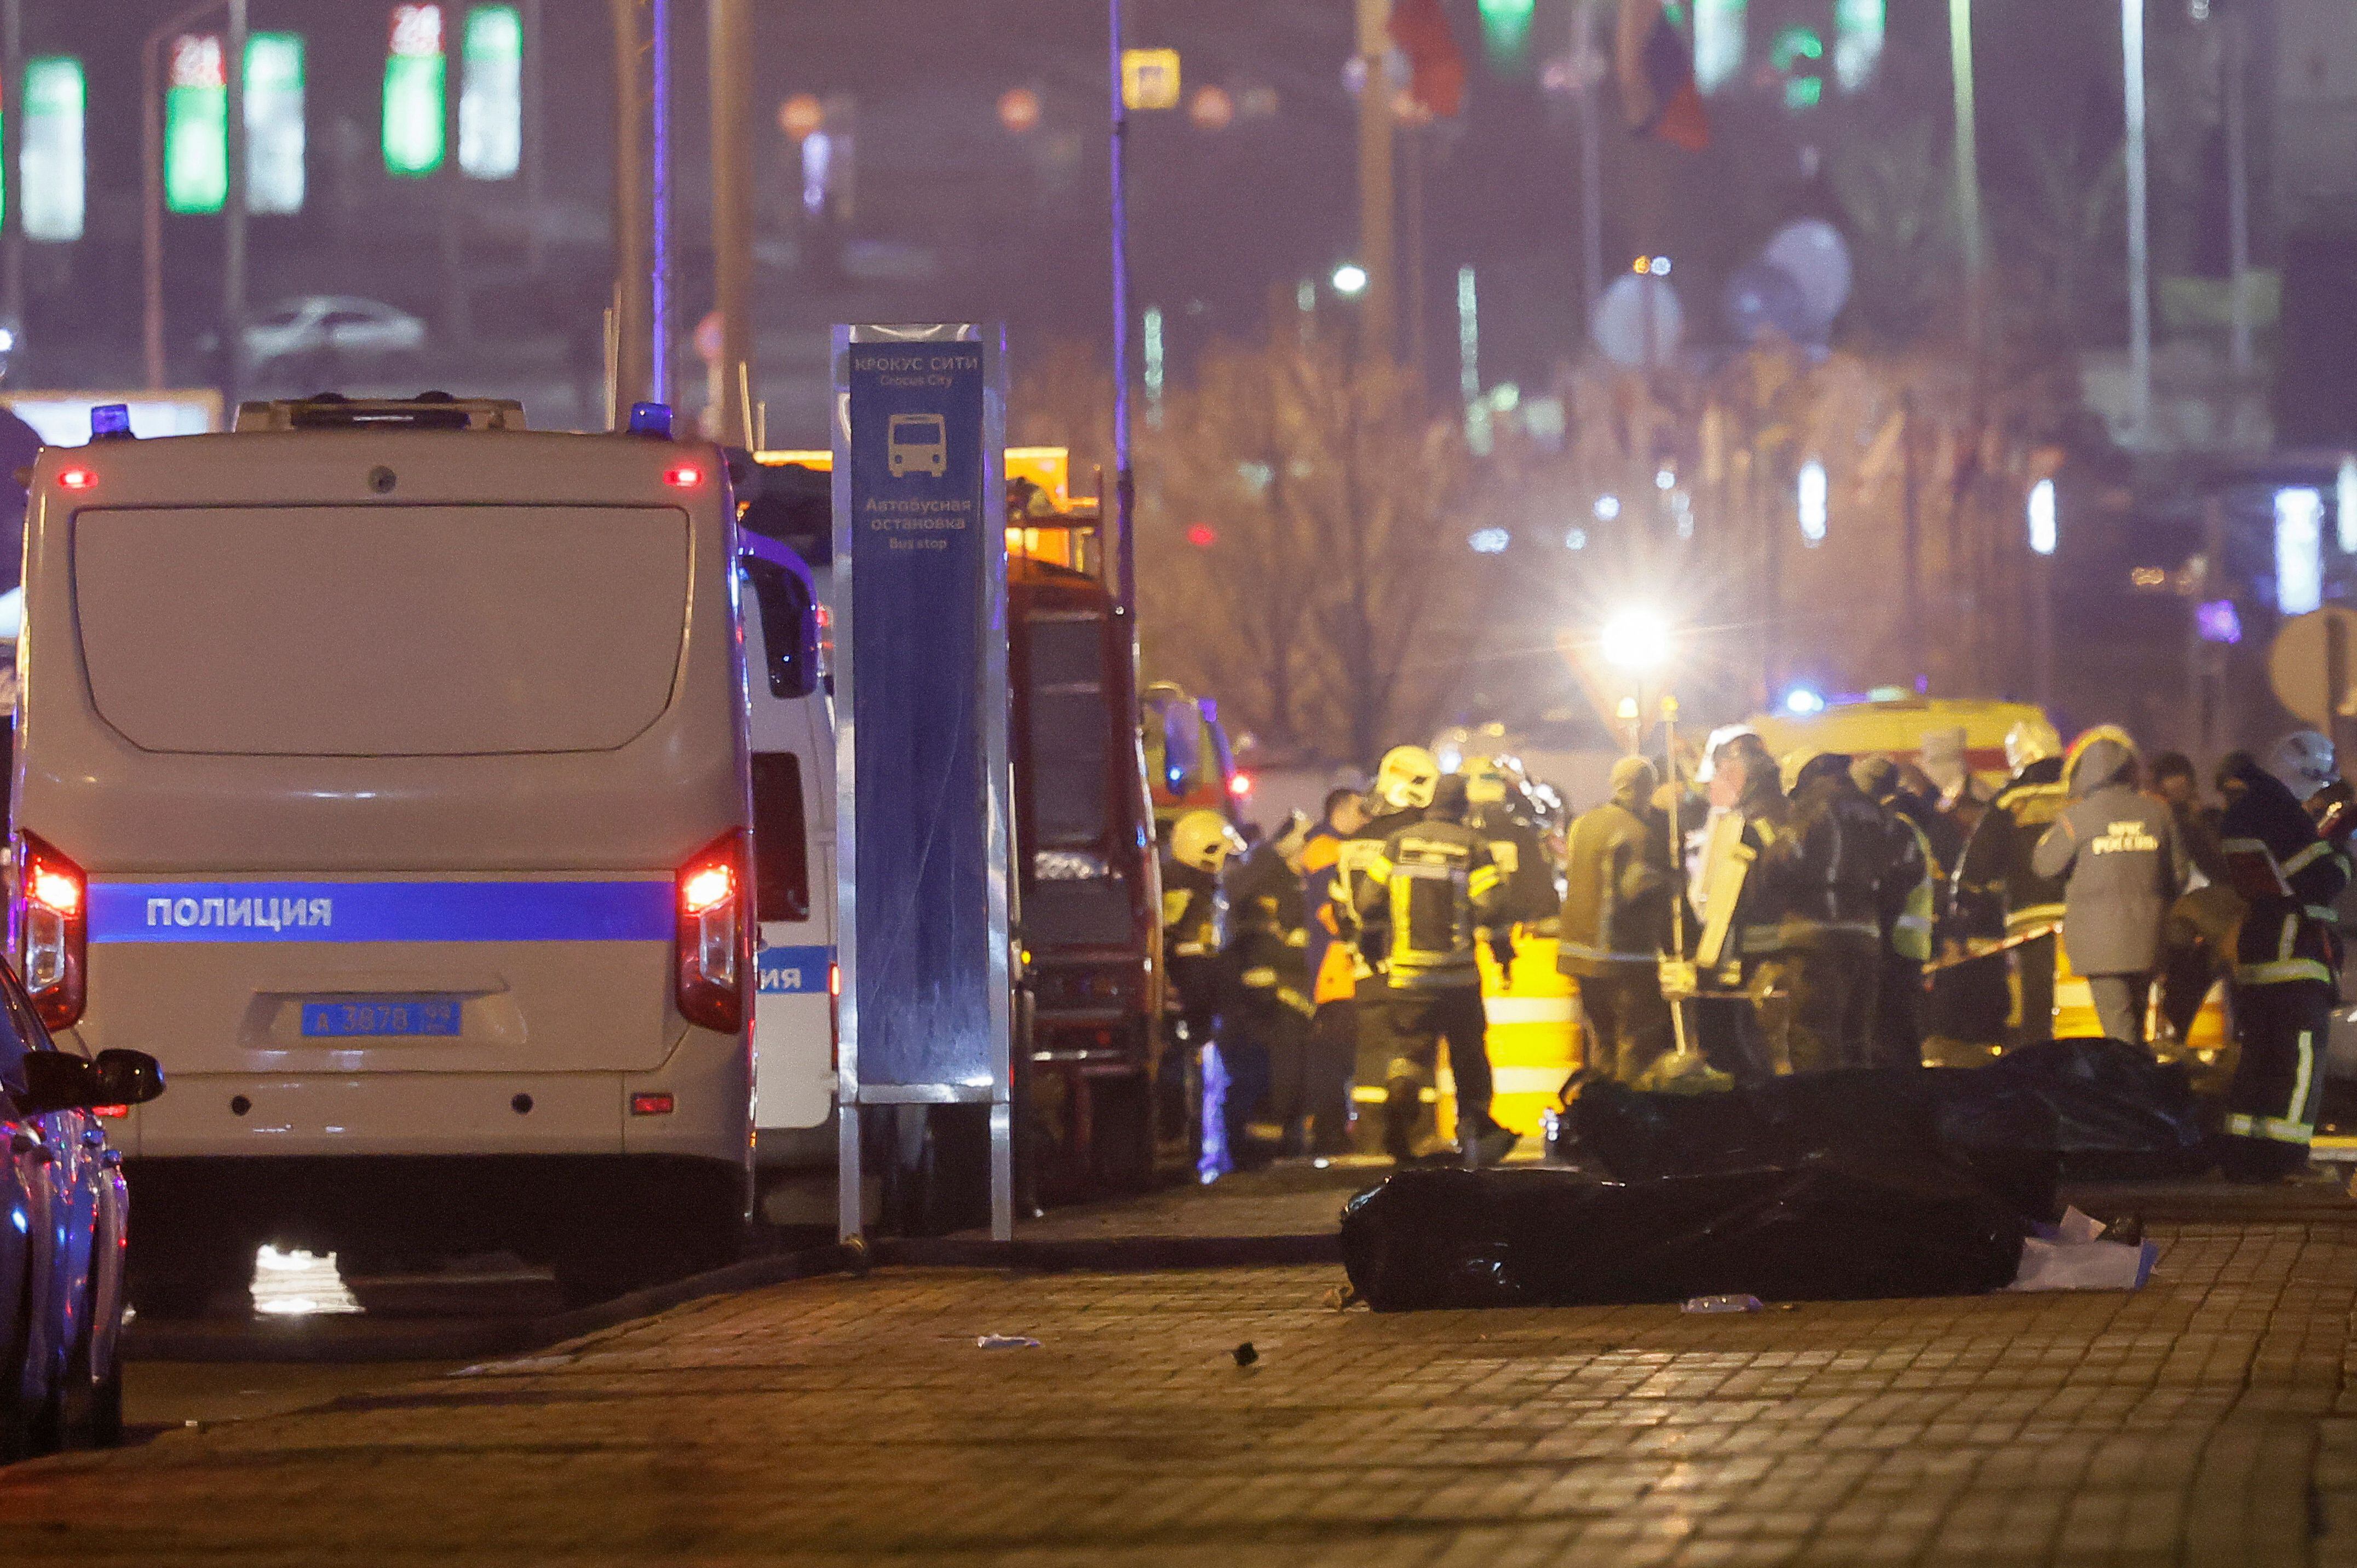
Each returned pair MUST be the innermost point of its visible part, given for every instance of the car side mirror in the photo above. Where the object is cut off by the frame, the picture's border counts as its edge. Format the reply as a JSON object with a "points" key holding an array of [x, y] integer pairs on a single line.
{"points": [[58, 1080]]}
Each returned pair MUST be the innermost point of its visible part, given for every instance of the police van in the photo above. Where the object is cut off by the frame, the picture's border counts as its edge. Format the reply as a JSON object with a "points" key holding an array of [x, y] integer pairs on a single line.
{"points": [[792, 730], [382, 770]]}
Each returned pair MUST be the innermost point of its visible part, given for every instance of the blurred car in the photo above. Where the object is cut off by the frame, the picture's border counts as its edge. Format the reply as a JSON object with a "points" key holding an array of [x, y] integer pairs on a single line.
{"points": [[327, 326], [64, 1227]]}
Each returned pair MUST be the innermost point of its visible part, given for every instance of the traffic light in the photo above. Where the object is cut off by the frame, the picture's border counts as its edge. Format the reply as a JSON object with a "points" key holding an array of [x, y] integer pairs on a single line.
{"points": [[1506, 32]]}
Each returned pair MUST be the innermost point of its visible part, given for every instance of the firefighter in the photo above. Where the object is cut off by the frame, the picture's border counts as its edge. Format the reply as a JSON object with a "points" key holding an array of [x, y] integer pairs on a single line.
{"points": [[1616, 925], [1332, 959], [1268, 949], [1827, 868], [2197, 947], [2116, 852], [1404, 781], [2288, 869], [1908, 913], [1998, 893], [1500, 813], [1431, 885], [1200, 843]]}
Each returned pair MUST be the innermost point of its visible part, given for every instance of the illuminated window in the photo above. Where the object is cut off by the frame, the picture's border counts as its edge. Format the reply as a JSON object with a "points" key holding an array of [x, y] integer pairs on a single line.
{"points": [[274, 123], [1857, 41], [2299, 551], [52, 159], [1718, 42], [196, 126], [415, 91], [491, 93]]}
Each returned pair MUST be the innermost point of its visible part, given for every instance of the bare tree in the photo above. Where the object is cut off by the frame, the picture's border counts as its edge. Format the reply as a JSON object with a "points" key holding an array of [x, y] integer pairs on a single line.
{"points": [[1302, 546]]}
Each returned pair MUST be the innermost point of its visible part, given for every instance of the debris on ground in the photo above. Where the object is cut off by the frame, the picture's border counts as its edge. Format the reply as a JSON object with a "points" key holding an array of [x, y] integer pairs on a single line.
{"points": [[1244, 1354], [1715, 1303], [2080, 1253], [1004, 1342]]}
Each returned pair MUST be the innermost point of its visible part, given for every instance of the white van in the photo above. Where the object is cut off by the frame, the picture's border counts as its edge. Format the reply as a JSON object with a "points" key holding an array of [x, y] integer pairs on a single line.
{"points": [[793, 871], [389, 762]]}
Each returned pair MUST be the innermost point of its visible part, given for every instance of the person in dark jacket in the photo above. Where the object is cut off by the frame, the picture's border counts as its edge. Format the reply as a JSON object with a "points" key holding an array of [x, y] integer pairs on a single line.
{"points": [[2288, 954], [1998, 894], [2197, 947], [1616, 925], [1828, 867], [1435, 886], [1267, 950], [2116, 853], [1332, 960], [1193, 911], [1908, 916], [1499, 811]]}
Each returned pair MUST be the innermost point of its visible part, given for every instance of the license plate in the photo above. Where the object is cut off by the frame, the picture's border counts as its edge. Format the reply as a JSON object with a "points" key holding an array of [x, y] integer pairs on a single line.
{"points": [[382, 1015]]}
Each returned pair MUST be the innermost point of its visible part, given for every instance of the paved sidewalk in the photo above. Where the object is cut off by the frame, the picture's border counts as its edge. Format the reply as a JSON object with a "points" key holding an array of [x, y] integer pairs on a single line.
{"points": [[2204, 1419]]}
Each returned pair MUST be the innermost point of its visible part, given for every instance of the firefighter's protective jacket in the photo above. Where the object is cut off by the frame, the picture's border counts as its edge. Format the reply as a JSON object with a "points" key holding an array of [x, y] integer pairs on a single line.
{"points": [[2116, 852], [1331, 956], [1996, 886], [1616, 908], [2289, 877], [1268, 938], [1432, 885]]}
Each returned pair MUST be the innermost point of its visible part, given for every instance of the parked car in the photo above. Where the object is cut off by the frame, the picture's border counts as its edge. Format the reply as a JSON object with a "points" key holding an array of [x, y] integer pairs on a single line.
{"points": [[328, 327], [64, 1226]]}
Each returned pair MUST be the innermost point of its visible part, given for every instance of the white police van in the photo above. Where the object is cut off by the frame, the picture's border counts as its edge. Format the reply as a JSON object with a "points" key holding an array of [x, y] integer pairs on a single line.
{"points": [[793, 873], [395, 757]]}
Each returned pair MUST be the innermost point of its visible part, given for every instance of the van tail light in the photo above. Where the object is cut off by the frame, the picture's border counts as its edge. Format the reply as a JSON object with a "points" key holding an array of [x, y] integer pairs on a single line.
{"points": [[52, 931], [716, 936]]}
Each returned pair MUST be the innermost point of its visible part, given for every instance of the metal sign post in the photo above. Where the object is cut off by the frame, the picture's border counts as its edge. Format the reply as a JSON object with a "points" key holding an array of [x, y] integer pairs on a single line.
{"points": [[923, 886]]}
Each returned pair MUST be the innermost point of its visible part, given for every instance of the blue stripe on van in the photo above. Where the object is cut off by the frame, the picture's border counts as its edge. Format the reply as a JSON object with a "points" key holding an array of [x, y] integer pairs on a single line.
{"points": [[795, 972], [381, 912]]}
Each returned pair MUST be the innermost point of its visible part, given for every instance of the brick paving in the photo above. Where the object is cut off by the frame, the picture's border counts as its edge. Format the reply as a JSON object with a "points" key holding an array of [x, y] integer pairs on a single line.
{"points": [[2207, 1419]]}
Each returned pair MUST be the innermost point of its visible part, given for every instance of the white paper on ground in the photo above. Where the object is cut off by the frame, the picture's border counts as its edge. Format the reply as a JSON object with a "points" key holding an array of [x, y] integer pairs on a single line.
{"points": [[2074, 1256]]}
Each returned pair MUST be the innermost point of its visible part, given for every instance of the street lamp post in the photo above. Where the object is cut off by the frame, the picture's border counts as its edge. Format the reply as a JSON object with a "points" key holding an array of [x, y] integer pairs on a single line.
{"points": [[151, 54]]}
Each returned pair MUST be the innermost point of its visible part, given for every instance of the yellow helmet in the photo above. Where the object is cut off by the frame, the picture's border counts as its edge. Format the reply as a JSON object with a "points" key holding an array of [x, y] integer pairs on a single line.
{"points": [[1491, 781], [1203, 840], [1405, 780], [2031, 740]]}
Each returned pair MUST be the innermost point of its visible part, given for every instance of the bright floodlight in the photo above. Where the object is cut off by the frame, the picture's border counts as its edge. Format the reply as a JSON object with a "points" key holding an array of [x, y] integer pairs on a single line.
{"points": [[1800, 700], [1636, 640], [1349, 279]]}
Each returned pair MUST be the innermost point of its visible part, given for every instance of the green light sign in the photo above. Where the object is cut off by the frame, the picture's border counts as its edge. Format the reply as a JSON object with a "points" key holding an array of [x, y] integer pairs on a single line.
{"points": [[52, 158], [196, 126], [1506, 32], [274, 123], [491, 93], [415, 93]]}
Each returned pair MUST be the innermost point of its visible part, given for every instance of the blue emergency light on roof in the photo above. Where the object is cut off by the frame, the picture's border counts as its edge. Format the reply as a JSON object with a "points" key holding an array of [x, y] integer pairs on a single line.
{"points": [[650, 419], [111, 421]]}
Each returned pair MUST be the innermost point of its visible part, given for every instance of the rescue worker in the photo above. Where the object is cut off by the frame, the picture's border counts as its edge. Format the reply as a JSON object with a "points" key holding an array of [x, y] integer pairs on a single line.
{"points": [[1332, 960], [2116, 853], [1741, 1035], [1908, 913], [1499, 812], [1998, 894], [2197, 942], [2288, 870], [1200, 843], [1402, 788], [1616, 925], [1269, 949], [1826, 868], [1432, 885]]}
